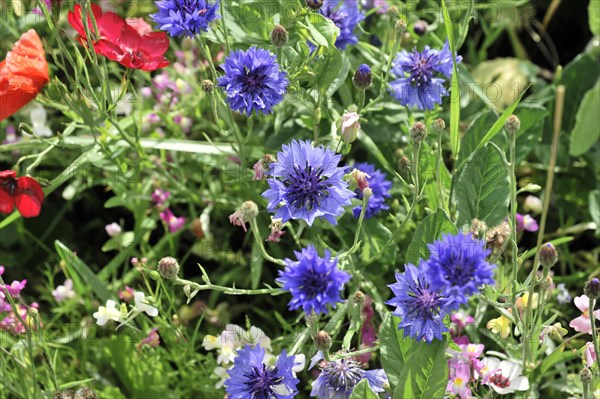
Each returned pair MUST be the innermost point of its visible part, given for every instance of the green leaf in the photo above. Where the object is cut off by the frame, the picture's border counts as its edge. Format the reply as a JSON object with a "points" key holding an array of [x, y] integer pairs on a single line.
{"points": [[322, 30], [362, 391], [586, 131], [328, 71], [482, 188], [394, 349], [594, 17], [578, 77], [414, 368], [340, 78], [427, 232], [119, 242], [72, 261]]}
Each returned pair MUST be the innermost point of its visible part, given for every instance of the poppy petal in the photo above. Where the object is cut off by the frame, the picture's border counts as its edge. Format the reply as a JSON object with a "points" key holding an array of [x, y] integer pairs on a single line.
{"points": [[22, 74], [6, 202], [155, 43], [29, 197]]}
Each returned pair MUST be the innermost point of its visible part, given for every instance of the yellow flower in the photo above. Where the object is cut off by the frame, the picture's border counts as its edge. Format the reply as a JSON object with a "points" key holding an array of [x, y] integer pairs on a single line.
{"points": [[501, 326], [521, 302]]}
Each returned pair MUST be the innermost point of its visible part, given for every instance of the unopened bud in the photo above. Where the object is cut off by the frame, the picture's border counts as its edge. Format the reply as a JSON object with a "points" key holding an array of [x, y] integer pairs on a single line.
{"points": [[207, 86], [323, 341], [314, 4], [367, 193], [400, 26], [359, 297], [512, 125], [168, 268], [585, 375], [548, 255], [592, 288], [438, 125], [249, 210], [154, 275], [418, 132], [420, 27], [350, 126], [363, 77], [279, 36]]}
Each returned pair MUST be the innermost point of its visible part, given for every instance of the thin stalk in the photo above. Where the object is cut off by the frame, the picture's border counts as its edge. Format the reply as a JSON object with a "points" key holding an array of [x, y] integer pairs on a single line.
{"points": [[558, 113], [361, 218], [594, 334], [224, 22], [513, 213], [259, 241], [228, 290]]}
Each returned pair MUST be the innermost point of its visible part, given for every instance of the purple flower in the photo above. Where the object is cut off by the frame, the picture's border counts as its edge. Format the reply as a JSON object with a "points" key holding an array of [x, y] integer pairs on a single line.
{"points": [[314, 282], [345, 16], [420, 76], [458, 267], [253, 81], [159, 196], [420, 306], [173, 222], [380, 187], [307, 183], [185, 17], [339, 377], [250, 377], [526, 222]]}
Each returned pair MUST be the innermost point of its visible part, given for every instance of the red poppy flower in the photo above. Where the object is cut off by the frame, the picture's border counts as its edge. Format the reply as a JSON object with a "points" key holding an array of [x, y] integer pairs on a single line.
{"points": [[121, 42], [22, 74], [23, 192]]}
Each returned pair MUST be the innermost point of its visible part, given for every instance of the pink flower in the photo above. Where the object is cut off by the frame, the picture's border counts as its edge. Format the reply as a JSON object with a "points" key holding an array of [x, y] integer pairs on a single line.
{"points": [[526, 222], [127, 294], [152, 340], [142, 27], [459, 321], [112, 229], [583, 322], [350, 126], [15, 288], [459, 383], [13, 325], [159, 196], [64, 291], [590, 354], [173, 223]]}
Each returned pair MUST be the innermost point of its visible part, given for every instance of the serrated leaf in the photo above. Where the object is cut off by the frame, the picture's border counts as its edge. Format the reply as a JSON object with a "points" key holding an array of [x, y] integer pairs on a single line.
{"points": [[427, 232], [362, 391], [73, 261], [482, 188], [586, 131]]}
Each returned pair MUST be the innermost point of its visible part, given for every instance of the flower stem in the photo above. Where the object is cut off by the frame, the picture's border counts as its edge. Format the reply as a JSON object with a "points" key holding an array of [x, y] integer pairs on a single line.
{"points": [[259, 241], [356, 243], [228, 290], [594, 334]]}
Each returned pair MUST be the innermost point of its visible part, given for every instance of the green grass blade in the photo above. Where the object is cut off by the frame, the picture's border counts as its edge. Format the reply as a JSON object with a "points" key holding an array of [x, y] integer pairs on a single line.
{"points": [[454, 91]]}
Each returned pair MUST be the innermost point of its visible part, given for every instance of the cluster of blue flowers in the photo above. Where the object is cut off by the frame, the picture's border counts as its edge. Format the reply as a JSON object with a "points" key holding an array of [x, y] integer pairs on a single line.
{"points": [[185, 17], [424, 295], [345, 16], [420, 76]]}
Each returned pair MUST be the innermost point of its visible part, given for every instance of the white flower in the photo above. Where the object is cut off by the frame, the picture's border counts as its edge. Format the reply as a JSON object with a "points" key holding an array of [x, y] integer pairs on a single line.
{"points": [[350, 126], [108, 312], [64, 291], [112, 229], [503, 376], [141, 305], [299, 363], [38, 122], [533, 204], [211, 342]]}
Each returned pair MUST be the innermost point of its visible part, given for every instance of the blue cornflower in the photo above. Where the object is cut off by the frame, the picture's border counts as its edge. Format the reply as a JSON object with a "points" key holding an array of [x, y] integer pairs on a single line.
{"points": [[306, 183], [314, 282], [424, 85], [250, 377], [185, 17], [421, 307], [458, 267], [380, 187], [338, 379], [253, 81], [346, 17]]}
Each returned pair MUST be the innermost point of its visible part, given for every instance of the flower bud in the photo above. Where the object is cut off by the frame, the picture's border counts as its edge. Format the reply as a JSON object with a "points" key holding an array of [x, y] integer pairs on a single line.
{"points": [[438, 125], [532, 204], [362, 77], [249, 210], [279, 36], [323, 341], [350, 126], [85, 393], [359, 297], [592, 288], [168, 268], [360, 178], [548, 255], [512, 125], [420, 27], [478, 228], [367, 193], [400, 26], [207, 86], [262, 166], [314, 4], [418, 132], [585, 375]]}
